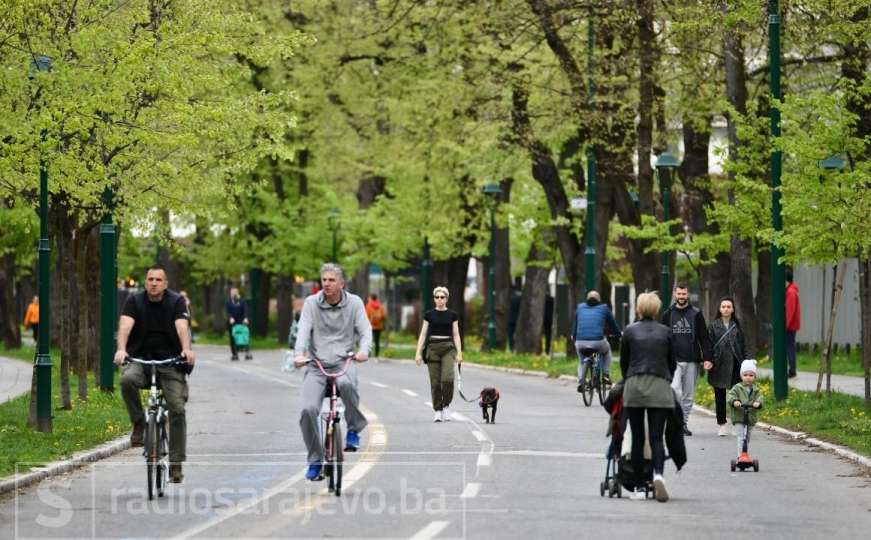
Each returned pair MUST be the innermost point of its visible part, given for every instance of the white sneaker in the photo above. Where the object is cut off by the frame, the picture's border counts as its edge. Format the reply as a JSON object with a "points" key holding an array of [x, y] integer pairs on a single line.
{"points": [[660, 492], [446, 415], [437, 417], [723, 431]]}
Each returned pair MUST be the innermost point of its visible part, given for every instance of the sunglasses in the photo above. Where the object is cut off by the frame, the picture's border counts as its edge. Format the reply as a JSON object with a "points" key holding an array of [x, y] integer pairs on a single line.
{"points": [[439, 297]]}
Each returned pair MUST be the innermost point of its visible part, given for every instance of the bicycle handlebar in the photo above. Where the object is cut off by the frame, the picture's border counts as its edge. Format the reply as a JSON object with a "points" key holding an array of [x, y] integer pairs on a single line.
{"points": [[166, 362], [349, 356]]}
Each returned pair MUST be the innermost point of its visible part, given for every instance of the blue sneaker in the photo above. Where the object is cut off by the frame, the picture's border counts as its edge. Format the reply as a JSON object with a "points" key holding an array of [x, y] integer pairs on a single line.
{"points": [[314, 472], [352, 442]]}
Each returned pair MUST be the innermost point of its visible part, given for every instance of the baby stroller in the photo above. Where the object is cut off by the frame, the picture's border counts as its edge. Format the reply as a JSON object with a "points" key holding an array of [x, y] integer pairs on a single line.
{"points": [[242, 339], [619, 470]]}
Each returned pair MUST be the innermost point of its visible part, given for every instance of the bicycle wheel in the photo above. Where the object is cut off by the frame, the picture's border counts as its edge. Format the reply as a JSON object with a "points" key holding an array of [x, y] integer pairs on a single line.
{"points": [[151, 444], [160, 469], [601, 387], [338, 458], [328, 459], [588, 386]]}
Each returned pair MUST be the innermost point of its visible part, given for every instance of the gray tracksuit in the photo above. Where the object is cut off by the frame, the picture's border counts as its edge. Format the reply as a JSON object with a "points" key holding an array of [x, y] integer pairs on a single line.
{"points": [[328, 332]]}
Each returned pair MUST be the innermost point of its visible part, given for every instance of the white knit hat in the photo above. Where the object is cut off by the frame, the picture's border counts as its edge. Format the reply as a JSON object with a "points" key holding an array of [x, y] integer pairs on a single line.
{"points": [[748, 366]]}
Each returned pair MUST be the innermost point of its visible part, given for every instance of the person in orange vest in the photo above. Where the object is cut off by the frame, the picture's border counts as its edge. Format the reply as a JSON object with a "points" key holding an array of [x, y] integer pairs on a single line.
{"points": [[31, 317], [377, 315]]}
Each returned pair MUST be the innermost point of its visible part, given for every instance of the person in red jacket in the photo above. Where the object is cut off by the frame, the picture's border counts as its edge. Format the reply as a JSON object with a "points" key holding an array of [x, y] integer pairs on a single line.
{"points": [[377, 316], [793, 320]]}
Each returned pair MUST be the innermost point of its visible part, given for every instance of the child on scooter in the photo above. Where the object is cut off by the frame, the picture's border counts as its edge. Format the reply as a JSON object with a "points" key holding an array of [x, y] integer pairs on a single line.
{"points": [[741, 394]]}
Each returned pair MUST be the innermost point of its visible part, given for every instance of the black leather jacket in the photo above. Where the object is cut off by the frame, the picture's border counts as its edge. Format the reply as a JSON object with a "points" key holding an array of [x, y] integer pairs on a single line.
{"points": [[646, 348]]}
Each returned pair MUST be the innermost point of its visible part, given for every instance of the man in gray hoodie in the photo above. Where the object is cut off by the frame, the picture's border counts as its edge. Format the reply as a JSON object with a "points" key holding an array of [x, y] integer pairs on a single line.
{"points": [[332, 323]]}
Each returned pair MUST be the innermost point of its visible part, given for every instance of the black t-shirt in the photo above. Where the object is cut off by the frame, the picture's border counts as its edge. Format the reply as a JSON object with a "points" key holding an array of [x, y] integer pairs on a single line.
{"points": [[154, 336], [441, 323]]}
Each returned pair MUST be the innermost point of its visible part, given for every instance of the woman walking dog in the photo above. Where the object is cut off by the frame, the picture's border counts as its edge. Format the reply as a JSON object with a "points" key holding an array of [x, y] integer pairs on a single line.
{"points": [[439, 346]]}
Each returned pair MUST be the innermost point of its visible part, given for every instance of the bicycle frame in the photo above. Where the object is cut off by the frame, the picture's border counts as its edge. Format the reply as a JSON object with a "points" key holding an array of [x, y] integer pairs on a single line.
{"points": [[332, 379]]}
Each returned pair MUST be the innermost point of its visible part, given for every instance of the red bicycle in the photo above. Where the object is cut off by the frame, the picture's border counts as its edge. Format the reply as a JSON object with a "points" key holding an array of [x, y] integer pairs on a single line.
{"points": [[332, 429]]}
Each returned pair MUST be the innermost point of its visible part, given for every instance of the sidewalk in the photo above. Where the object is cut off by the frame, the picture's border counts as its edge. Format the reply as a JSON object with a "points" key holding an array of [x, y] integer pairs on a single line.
{"points": [[15, 378], [806, 380]]}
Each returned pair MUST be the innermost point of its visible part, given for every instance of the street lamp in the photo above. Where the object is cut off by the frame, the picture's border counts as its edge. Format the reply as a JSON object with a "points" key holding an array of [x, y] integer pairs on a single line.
{"points": [[43, 358], [333, 220], [108, 294], [493, 191], [665, 164], [426, 277]]}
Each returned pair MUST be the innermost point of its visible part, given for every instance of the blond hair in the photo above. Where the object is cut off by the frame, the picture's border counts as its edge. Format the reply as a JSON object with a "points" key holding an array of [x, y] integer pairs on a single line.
{"points": [[648, 305], [441, 289]]}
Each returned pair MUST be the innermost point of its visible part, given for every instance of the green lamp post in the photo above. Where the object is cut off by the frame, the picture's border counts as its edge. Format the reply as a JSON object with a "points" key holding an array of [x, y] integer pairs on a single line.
{"points": [[426, 277], [493, 191], [108, 294], [333, 222], [43, 357], [665, 164], [778, 279]]}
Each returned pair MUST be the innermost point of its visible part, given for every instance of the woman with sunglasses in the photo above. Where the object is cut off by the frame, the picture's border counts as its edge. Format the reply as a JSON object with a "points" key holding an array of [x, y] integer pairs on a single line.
{"points": [[439, 346]]}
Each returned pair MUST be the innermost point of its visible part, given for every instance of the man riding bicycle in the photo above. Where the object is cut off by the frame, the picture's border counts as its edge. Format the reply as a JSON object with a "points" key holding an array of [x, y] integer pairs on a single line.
{"points": [[590, 320], [155, 325], [332, 322]]}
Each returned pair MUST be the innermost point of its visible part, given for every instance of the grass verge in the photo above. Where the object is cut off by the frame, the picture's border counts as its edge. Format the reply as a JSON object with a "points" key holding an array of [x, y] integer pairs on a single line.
{"points": [[90, 423], [841, 419]]}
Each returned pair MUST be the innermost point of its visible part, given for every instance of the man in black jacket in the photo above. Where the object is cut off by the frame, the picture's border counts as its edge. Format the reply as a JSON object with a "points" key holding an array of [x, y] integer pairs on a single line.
{"points": [[691, 346]]}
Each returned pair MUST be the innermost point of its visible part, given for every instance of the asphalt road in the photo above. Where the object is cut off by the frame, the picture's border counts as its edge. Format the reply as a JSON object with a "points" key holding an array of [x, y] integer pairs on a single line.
{"points": [[533, 474]]}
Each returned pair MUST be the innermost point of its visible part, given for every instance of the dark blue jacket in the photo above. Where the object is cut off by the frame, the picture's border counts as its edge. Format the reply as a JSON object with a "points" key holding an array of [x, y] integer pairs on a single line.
{"points": [[238, 311], [590, 321]]}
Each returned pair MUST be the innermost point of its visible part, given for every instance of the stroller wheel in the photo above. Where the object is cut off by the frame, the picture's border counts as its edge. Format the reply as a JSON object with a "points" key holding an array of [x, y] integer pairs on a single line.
{"points": [[601, 489]]}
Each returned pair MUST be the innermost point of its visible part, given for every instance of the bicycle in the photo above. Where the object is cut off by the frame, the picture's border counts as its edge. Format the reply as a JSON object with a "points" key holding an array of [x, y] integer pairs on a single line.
{"points": [[156, 432], [334, 456], [594, 377]]}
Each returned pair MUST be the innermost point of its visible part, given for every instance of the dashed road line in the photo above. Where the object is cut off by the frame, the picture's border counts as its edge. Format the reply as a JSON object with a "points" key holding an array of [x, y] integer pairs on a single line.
{"points": [[408, 392], [471, 490], [430, 531], [378, 384]]}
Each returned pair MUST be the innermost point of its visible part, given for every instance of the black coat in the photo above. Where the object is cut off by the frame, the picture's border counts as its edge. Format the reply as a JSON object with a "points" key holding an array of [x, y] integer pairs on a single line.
{"points": [[646, 348], [729, 352], [674, 441]]}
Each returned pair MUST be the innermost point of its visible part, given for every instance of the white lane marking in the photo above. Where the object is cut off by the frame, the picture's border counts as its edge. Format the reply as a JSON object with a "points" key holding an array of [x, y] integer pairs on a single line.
{"points": [[428, 404], [430, 531], [241, 507], [525, 453], [471, 490], [378, 384], [480, 436], [409, 392], [546, 453], [485, 459]]}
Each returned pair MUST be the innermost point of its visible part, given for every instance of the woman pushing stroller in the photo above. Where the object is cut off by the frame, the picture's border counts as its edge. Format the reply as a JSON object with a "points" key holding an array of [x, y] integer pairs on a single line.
{"points": [[648, 364]]}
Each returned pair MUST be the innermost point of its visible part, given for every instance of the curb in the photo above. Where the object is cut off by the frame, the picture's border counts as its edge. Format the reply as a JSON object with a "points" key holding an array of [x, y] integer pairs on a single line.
{"points": [[57, 468], [800, 436]]}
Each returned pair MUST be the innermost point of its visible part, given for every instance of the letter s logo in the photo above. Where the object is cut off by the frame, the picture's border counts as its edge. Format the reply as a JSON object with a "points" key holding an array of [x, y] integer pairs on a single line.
{"points": [[65, 512]]}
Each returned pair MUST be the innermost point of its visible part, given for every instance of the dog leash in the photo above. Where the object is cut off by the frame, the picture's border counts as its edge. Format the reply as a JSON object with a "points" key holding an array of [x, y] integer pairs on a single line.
{"points": [[460, 384]]}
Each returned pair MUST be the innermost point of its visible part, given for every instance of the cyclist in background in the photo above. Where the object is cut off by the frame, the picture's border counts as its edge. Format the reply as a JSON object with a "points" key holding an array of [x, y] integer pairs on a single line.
{"points": [[591, 317], [332, 322], [155, 325]]}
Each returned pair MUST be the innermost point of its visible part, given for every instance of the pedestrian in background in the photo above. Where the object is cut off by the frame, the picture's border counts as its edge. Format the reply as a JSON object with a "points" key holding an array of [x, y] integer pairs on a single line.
{"points": [[692, 346], [648, 364], [793, 320], [377, 316], [729, 352], [31, 317], [439, 346], [237, 313]]}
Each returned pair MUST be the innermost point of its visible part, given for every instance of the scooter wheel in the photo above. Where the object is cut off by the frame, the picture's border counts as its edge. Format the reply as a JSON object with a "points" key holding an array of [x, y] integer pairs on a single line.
{"points": [[733, 465], [755, 465]]}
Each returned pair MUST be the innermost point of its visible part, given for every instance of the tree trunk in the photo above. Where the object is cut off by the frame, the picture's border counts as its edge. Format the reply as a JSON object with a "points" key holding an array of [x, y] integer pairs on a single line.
{"points": [[503, 272], [763, 296], [284, 302], [452, 274], [826, 359], [261, 328], [10, 321], [530, 320], [741, 250], [67, 297]]}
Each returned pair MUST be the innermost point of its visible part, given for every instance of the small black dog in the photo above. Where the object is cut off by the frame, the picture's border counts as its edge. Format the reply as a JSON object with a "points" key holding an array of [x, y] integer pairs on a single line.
{"points": [[489, 401]]}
